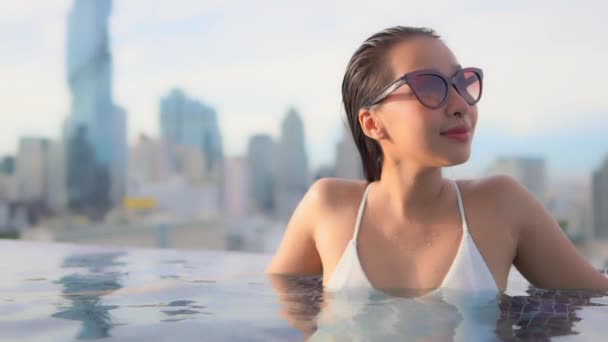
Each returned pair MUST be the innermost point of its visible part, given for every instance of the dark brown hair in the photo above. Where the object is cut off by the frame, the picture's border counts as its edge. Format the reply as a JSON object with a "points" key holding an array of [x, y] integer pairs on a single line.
{"points": [[367, 73]]}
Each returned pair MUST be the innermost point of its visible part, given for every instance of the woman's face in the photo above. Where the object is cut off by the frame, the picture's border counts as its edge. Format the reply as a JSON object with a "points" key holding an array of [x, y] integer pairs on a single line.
{"points": [[418, 134]]}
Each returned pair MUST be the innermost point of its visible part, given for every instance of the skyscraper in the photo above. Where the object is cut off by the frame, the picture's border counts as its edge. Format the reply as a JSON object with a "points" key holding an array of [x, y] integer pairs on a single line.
{"points": [[262, 169], [569, 202], [348, 162], [600, 201], [236, 199], [293, 178], [7, 165], [35, 167], [148, 161], [118, 166], [56, 190], [8, 182], [32, 169], [95, 131], [188, 122]]}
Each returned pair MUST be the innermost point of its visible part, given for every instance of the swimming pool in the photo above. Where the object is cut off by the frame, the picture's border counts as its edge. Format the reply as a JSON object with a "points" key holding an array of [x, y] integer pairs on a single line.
{"points": [[60, 292]]}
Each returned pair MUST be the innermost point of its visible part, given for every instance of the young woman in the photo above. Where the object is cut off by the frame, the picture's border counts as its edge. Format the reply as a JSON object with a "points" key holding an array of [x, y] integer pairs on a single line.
{"points": [[411, 108]]}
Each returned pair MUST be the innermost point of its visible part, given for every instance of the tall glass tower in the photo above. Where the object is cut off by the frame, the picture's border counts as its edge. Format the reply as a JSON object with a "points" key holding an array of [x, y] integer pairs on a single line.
{"points": [[95, 131]]}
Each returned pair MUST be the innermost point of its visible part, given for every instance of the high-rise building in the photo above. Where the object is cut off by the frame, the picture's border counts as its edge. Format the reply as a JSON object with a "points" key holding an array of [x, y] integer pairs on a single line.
{"points": [[262, 165], [40, 174], [191, 163], [189, 122], [8, 181], [8, 191], [32, 169], [179, 196], [95, 131], [236, 197], [600, 201], [39, 180], [348, 162], [8, 188], [293, 177], [9, 197], [568, 201], [530, 172], [118, 166], [148, 161], [7, 165], [56, 197]]}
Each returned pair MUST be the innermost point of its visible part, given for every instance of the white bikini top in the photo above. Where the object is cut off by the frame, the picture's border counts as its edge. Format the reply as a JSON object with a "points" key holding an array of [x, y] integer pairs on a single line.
{"points": [[468, 271]]}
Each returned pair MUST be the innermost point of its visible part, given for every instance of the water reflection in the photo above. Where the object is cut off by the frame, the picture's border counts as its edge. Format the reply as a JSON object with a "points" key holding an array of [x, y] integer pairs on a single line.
{"points": [[180, 308], [301, 301], [85, 291], [544, 313], [540, 315]]}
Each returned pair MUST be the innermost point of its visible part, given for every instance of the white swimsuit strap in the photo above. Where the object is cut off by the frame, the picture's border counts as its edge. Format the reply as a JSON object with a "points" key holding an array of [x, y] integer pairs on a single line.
{"points": [[360, 213], [465, 227]]}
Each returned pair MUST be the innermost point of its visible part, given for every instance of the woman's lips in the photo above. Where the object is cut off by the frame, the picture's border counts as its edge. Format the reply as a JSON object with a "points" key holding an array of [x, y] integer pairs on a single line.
{"points": [[460, 136]]}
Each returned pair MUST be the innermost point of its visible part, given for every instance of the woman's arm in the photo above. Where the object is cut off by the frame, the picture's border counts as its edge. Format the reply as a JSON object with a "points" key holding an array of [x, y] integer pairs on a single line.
{"points": [[545, 256], [297, 254], [299, 308]]}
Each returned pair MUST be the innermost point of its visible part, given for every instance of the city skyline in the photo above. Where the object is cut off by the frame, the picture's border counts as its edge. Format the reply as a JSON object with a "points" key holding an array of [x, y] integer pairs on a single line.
{"points": [[205, 125], [205, 50]]}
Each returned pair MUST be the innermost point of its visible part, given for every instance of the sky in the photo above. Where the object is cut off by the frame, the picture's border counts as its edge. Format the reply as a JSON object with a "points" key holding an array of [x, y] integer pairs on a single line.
{"points": [[544, 62]]}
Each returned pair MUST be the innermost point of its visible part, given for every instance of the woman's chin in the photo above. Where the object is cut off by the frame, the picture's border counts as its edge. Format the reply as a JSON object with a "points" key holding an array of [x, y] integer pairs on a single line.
{"points": [[454, 160]]}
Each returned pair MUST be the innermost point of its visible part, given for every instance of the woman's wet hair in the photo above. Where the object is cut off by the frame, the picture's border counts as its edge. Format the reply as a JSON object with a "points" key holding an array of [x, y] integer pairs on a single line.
{"points": [[368, 72]]}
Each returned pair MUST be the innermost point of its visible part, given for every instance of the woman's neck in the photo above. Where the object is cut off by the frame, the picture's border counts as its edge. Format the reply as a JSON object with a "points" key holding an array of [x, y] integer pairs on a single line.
{"points": [[411, 194]]}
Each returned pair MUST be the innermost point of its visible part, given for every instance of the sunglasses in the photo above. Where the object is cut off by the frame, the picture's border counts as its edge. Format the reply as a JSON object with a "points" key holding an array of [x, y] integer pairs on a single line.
{"points": [[431, 87]]}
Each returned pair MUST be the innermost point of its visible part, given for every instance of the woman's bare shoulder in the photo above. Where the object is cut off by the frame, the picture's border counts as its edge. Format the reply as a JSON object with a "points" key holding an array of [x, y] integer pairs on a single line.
{"points": [[495, 188], [324, 205], [325, 201], [500, 196], [334, 193]]}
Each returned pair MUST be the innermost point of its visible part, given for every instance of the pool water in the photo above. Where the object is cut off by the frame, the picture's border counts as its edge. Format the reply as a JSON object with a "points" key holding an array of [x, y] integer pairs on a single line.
{"points": [[62, 292]]}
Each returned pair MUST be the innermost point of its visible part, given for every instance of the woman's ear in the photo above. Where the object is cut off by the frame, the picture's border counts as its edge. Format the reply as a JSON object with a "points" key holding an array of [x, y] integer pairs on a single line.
{"points": [[371, 124]]}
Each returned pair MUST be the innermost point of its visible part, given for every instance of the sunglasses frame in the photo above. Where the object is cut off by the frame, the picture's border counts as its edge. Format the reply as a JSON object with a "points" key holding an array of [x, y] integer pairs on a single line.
{"points": [[408, 77]]}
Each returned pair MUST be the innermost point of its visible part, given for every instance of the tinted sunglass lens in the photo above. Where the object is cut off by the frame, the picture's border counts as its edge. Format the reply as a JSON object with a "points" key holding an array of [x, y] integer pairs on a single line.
{"points": [[469, 86], [430, 89]]}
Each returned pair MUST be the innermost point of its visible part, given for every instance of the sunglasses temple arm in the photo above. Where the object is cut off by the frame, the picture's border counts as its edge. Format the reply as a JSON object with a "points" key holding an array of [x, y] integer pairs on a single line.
{"points": [[388, 90]]}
